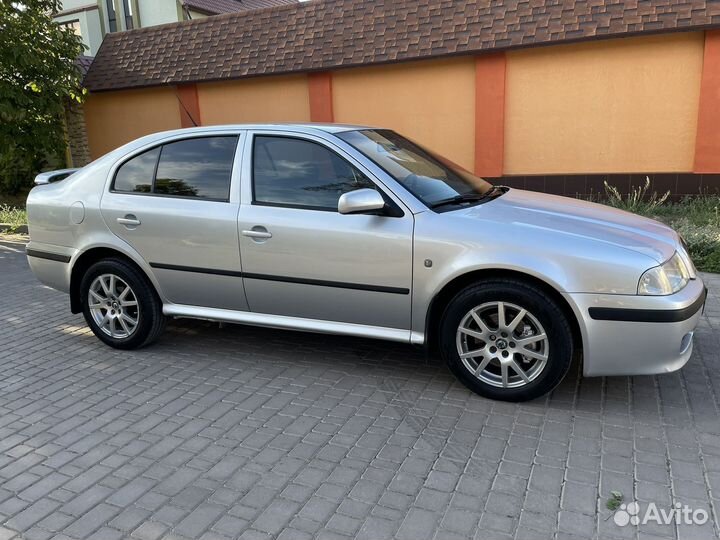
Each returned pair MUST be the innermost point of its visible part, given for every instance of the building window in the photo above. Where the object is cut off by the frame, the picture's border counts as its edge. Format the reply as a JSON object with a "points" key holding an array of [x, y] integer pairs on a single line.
{"points": [[73, 25], [127, 8], [112, 18]]}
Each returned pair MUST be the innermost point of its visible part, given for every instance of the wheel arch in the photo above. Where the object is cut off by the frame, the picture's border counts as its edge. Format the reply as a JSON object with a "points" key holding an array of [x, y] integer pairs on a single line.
{"points": [[89, 257], [442, 298]]}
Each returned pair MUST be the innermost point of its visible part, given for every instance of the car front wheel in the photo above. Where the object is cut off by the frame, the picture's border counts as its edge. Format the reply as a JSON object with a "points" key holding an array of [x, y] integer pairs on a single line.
{"points": [[120, 305], [506, 340]]}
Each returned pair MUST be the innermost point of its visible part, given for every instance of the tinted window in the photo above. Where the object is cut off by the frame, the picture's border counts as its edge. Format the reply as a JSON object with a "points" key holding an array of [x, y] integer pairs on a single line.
{"points": [[137, 174], [196, 168], [294, 172]]}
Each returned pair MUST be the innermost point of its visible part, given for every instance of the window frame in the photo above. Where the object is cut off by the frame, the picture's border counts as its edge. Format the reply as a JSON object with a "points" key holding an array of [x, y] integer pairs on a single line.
{"points": [[160, 145], [73, 24], [254, 202]]}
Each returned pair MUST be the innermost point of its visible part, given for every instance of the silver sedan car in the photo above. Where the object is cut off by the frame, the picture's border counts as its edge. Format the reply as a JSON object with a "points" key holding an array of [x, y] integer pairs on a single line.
{"points": [[362, 232]]}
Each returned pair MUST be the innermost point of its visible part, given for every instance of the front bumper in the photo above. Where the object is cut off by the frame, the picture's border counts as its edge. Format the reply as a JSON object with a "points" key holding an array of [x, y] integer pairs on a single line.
{"points": [[638, 335]]}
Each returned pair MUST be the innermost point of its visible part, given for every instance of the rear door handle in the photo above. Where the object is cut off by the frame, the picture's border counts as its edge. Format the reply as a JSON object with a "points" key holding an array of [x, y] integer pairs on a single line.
{"points": [[257, 233], [129, 221]]}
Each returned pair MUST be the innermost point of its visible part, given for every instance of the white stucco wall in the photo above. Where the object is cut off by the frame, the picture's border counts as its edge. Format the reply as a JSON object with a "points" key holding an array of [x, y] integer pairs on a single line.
{"points": [[158, 12], [90, 27]]}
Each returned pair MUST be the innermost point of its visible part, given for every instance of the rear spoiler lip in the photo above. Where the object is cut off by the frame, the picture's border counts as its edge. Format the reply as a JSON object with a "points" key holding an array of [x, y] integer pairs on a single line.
{"points": [[49, 177]]}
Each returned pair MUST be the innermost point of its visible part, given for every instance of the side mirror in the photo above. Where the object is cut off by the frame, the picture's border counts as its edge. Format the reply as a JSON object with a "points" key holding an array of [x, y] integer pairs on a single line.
{"points": [[360, 201]]}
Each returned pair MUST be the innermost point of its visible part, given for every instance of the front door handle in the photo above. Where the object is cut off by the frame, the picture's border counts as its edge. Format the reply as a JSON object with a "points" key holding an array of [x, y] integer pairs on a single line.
{"points": [[258, 232], [129, 221]]}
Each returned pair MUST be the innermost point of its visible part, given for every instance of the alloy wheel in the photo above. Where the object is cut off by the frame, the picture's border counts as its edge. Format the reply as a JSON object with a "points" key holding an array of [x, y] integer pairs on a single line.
{"points": [[113, 306], [502, 344]]}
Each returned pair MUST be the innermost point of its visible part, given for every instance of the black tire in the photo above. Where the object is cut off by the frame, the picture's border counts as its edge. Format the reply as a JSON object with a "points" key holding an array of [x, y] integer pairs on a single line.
{"points": [[151, 321], [544, 309]]}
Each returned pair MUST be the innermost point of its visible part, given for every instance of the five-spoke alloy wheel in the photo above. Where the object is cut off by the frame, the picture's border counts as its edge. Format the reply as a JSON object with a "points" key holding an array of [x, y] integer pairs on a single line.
{"points": [[120, 305], [505, 339]]}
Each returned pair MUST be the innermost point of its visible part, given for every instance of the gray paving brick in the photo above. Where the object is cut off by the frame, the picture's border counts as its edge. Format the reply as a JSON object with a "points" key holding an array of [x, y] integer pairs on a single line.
{"points": [[32, 514], [150, 530], [418, 524], [199, 520], [91, 521], [129, 519], [86, 500], [230, 525]]}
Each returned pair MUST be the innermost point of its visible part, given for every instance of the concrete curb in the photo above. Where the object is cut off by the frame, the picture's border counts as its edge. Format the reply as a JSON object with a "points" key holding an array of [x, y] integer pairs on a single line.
{"points": [[7, 228]]}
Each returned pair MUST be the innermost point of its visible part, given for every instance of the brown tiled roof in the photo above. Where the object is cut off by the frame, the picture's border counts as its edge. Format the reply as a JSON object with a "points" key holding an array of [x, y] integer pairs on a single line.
{"points": [[327, 34], [216, 7], [83, 64]]}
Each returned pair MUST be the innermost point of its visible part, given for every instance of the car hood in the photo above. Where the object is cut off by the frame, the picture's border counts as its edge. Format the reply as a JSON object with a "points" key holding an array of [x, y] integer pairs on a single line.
{"points": [[564, 216]]}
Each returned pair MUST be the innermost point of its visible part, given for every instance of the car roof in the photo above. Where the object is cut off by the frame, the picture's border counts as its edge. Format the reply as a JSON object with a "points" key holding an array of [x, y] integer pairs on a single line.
{"points": [[307, 127]]}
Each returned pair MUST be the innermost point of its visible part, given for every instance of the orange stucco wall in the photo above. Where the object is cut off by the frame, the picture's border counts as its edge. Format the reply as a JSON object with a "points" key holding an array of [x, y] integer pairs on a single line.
{"points": [[617, 106], [265, 99], [432, 102], [626, 105], [115, 118]]}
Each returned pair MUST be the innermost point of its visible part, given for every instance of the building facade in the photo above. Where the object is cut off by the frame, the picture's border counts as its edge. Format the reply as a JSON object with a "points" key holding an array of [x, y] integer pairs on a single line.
{"points": [[557, 96]]}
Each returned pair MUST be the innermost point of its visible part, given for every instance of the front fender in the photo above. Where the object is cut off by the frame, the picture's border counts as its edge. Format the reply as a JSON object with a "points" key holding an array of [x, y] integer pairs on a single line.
{"points": [[447, 248]]}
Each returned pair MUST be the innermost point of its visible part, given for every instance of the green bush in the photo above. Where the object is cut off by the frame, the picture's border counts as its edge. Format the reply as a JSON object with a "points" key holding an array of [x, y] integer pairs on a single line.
{"points": [[696, 219], [638, 201], [12, 216], [703, 242]]}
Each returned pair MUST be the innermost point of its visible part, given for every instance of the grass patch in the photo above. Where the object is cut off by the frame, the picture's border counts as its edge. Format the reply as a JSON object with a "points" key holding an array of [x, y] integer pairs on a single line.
{"points": [[12, 216], [697, 219]]}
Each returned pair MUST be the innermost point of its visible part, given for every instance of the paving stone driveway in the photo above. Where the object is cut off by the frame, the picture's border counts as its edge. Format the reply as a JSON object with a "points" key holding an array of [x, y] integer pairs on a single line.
{"points": [[243, 432]]}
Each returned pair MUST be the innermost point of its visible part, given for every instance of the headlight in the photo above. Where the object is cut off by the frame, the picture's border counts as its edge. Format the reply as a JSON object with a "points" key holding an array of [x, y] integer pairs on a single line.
{"points": [[685, 256], [668, 278]]}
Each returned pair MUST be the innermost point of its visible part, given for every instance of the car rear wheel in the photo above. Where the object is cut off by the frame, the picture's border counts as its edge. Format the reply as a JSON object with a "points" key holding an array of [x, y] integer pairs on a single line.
{"points": [[506, 340], [120, 305]]}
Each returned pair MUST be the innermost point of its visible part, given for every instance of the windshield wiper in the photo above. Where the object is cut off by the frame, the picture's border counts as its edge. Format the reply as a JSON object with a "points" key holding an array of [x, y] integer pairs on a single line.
{"points": [[467, 197]]}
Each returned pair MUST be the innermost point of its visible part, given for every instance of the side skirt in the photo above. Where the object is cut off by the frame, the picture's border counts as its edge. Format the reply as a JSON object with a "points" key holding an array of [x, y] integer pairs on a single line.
{"points": [[293, 323]]}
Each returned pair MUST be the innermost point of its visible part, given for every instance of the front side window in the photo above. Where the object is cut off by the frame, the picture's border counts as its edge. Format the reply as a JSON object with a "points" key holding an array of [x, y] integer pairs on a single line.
{"points": [[432, 179], [199, 168], [299, 173]]}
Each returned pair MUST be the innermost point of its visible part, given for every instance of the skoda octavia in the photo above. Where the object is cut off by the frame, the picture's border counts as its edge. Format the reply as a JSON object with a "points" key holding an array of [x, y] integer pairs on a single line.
{"points": [[362, 232]]}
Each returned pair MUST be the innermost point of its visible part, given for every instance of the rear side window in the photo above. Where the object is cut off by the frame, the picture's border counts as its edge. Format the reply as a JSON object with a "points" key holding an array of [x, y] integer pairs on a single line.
{"points": [[301, 174], [136, 175], [197, 168]]}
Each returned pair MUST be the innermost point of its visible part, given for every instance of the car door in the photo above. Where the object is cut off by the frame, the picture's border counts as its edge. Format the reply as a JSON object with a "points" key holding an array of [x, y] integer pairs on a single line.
{"points": [[176, 204], [302, 258]]}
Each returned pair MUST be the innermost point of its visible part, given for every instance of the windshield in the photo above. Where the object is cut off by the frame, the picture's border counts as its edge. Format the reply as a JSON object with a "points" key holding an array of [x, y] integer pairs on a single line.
{"points": [[429, 177]]}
